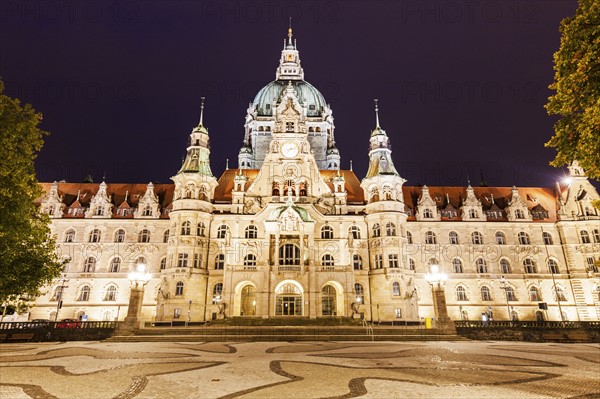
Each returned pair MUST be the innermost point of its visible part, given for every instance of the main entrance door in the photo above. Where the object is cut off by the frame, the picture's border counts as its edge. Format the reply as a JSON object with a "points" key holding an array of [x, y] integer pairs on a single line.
{"points": [[328, 300], [288, 300]]}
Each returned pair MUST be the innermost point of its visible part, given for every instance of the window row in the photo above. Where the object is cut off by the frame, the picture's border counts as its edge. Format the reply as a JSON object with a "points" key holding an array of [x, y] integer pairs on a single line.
{"points": [[83, 295], [529, 266], [585, 236], [119, 236], [534, 294], [477, 238]]}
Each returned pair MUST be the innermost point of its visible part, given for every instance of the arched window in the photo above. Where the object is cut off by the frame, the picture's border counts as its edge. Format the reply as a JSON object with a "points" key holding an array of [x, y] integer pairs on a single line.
{"points": [[327, 260], [560, 294], [547, 238], [217, 293], [596, 234], [250, 260], [457, 266], [200, 229], [360, 293], [84, 293], [376, 230], [357, 262], [585, 237], [534, 294], [186, 228], [111, 293], [390, 229], [57, 294], [354, 231], [251, 232], [461, 293], [481, 266], [411, 264], [529, 266], [90, 265], [147, 211], [453, 237], [326, 232], [476, 238], [144, 236], [430, 238], [396, 288], [163, 263], [553, 266], [222, 231], [510, 294], [519, 214], [220, 262], [500, 238], [166, 236], [179, 288], [120, 235], [505, 266], [409, 238], [486, 295], [70, 235], [524, 238], [115, 265], [95, 235]]}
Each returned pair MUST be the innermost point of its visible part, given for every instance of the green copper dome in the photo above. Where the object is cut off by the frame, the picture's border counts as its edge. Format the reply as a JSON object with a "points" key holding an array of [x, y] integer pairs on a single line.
{"points": [[307, 95]]}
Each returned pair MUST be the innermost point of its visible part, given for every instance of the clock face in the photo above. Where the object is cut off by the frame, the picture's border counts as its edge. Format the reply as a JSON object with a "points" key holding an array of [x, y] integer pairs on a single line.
{"points": [[289, 150]]}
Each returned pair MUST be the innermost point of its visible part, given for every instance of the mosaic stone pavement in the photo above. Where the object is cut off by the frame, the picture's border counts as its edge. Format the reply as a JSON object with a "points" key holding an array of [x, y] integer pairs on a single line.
{"points": [[299, 370]]}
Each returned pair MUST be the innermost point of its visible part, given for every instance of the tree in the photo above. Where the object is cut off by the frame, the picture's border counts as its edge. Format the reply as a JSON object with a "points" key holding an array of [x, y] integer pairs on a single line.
{"points": [[28, 259], [577, 90]]}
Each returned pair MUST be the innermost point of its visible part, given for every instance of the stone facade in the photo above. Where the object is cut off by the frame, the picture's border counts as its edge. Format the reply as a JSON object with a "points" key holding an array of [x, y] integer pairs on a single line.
{"points": [[290, 234]]}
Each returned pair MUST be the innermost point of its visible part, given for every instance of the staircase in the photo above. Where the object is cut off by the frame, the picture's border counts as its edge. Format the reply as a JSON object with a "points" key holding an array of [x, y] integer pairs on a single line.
{"points": [[284, 333], [580, 303]]}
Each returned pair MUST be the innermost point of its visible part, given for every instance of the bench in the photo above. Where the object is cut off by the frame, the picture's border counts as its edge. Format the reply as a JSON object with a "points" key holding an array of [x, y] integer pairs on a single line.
{"points": [[20, 337]]}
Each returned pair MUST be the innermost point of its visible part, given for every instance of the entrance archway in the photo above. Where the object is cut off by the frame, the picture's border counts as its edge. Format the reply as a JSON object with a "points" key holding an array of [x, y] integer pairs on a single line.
{"points": [[248, 301], [289, 297]]}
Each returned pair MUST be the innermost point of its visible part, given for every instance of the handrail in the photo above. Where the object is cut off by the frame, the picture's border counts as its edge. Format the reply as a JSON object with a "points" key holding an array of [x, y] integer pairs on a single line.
{"points": [[369, 329]]}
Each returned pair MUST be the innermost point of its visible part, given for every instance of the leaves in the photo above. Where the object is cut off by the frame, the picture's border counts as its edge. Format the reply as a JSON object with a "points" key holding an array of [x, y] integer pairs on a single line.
{"points": [[27, 252], [577, 90]]}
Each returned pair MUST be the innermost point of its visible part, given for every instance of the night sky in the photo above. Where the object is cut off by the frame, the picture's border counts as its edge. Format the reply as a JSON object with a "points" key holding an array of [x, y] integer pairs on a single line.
{"points": [[461, 85]]}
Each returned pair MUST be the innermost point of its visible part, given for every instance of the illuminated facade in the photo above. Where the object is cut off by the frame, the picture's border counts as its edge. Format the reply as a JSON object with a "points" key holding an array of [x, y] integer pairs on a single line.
{"points": [[290, 234]]}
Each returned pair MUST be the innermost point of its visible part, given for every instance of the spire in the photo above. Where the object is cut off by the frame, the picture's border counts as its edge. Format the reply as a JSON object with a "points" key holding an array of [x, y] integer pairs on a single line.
{"points": [[290, 32], [351, 170], [201, 112], [376, 115]]}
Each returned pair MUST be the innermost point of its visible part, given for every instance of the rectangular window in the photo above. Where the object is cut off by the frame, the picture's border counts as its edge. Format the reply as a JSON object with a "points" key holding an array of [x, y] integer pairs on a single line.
{"points": [[182, 260], [176, 313], [393, 260], [197, 261], [398, 313], [378, 261]]}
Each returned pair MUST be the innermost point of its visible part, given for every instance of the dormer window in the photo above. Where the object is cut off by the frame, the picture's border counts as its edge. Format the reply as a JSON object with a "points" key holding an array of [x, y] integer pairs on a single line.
{"points": [[473, 214], [519, 214], [427, 214], [311, 107]]}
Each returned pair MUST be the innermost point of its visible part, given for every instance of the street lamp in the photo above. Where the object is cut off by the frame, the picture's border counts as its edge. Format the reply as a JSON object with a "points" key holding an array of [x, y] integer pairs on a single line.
{"points": [[437, 279], [506, 287], [59, 297], [138, 280]]}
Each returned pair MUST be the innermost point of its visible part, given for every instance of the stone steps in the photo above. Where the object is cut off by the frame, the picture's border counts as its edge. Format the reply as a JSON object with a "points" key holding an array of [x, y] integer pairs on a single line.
{"points": [[281, 333]]}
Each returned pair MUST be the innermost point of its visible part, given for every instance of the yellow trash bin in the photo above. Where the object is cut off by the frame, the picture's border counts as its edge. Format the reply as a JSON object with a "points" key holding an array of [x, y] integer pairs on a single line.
{"points": [[428, 322]]}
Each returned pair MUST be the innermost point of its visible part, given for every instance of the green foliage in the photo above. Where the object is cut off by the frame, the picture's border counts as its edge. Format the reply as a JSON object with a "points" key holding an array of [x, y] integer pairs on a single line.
{"points": [[577, 87], [27, 252]]}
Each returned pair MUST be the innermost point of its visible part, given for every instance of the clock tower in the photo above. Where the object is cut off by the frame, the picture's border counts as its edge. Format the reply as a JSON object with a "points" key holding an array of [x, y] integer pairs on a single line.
{"points": [[289, 167]]}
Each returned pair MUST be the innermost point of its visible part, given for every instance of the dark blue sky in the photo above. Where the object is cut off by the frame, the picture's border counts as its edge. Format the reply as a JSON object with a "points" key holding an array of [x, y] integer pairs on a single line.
{"points": [[461, 84]]}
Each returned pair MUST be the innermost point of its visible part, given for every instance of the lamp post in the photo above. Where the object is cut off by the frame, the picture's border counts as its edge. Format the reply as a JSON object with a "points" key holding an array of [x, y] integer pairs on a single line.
{"points": [[61, 289], [437, 280], [138, 280], [506, 287]]}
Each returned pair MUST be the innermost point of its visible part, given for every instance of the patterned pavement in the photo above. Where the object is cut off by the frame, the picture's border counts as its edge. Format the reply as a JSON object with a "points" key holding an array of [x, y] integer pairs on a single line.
{"points": [[299, 370]]}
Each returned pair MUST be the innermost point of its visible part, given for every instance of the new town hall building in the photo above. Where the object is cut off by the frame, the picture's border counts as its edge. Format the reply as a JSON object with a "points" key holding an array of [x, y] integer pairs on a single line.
{"points": [[289, 233]]}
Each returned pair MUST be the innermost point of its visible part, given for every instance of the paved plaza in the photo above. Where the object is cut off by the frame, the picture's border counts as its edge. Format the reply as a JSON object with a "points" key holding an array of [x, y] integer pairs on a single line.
{"points": [[299, 370]]}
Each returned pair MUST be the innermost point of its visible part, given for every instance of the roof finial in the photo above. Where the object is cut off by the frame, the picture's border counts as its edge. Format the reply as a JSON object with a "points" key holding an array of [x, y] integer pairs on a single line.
{"points": [[376, 114], [227, 164], [201, 111], [290, 32], [126, 195], [492, 195], [351, 170]]}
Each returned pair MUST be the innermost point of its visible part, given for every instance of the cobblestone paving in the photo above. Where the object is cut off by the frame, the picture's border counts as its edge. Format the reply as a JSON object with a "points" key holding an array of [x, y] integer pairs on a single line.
{"points": [[299, 370]]}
